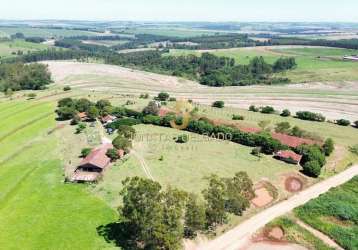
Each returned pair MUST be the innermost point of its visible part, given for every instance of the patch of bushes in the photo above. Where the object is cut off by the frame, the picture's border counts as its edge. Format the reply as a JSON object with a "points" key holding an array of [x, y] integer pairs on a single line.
{"points": [[66, 88], [310, 116], [343, 122], [285, 113], [267, 110], [253, 108], [218, 104], [313, 159], [238, 117]]}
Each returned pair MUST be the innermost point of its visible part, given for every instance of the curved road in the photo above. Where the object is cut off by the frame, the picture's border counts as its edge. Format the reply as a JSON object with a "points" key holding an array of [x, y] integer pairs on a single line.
{"points": [[239, 236]]}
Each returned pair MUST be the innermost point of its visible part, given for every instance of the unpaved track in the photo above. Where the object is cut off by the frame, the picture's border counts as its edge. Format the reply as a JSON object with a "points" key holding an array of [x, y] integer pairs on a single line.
{"points": [[334, 100], [239, 236], [319, 235], [143, 164]]}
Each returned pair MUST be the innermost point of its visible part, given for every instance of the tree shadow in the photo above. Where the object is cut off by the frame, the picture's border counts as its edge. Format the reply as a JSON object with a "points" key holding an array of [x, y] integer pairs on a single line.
{"points": [[122, 234]]}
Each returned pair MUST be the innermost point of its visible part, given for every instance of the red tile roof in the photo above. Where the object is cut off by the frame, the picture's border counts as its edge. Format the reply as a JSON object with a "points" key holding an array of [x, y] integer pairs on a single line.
{"points": [[288, 154], [163, 111], [292, 141], [82, 115], [98, 157], [107, 118]]}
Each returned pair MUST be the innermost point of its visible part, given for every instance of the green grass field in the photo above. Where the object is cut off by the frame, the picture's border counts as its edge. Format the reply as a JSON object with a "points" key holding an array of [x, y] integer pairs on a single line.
{"points": [[37, 210], [329, 67], [335, 214], [7, 48], [40, 32]]}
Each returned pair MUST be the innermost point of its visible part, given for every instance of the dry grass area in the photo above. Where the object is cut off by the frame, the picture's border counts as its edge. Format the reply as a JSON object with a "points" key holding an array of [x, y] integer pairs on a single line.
{"points": [[335, 100]]}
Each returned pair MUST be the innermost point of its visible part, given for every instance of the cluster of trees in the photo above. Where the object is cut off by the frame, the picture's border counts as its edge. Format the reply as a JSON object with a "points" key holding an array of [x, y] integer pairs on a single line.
{"points": [[310, 116], [314, 157], [68, 108], [159, 219], [124, 139], [35, 39], [285, 128], [21, 76], [264, 110]]}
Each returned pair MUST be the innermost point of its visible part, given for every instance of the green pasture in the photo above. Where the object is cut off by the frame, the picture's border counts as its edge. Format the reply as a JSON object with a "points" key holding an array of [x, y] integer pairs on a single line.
{"points": [[37, 209], [9, 47]]}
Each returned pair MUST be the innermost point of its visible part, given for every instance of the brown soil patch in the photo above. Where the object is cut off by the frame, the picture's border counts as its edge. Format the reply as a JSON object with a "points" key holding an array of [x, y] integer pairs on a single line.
{"points": [[262, 198], [293, 184], [276, 233], [338, 221]]}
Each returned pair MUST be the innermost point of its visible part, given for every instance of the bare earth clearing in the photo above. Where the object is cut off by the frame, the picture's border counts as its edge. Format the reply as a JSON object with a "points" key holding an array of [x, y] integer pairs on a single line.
{"points": [[335, 100]]}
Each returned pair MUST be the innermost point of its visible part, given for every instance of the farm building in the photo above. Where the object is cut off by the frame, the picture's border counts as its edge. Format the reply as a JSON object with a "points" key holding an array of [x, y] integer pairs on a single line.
{"points": [[92, 167], [82, 116], [108, 119], [288, 156]]}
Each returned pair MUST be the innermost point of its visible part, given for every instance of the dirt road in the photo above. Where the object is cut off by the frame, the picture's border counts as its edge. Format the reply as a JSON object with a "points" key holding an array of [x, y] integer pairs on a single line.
{"points": [[239, 236]]}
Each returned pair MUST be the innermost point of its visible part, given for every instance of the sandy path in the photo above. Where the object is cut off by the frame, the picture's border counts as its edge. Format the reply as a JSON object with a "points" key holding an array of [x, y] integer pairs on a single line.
{"points": [[334, 100], [320, 235], [143, 164], [240, 235]]}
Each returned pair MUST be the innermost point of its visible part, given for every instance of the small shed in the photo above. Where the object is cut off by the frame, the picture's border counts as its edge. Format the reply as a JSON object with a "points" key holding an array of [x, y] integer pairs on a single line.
{"points": [[108, 119], [288, 156]]}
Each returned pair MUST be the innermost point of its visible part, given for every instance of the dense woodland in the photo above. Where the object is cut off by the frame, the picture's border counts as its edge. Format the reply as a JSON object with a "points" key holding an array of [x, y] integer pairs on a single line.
{"points": [[21, 76]]}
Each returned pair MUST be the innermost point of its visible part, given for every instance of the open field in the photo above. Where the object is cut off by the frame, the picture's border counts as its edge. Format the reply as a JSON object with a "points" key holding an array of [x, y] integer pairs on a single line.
{"points": [[47, 33], [328, 68], [335, 100], [186, 165], [7, 48], [39, 211], [335, 214]]}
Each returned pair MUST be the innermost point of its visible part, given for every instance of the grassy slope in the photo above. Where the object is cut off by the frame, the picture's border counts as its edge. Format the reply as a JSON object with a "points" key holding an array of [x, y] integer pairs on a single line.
{"points": [[310, 68], [37, 209], [325, 214], [6, 48]]}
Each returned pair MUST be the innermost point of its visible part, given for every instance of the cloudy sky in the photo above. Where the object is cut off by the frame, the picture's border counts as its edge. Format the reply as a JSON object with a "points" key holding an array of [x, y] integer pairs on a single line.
{"points": [[182, 10]]}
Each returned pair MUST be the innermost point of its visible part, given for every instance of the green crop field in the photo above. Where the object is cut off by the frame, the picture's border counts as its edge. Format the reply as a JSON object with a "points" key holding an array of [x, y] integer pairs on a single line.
{"points": [[335, 214], [318, 64], [42, 32], [9, 47], [37, 210]]}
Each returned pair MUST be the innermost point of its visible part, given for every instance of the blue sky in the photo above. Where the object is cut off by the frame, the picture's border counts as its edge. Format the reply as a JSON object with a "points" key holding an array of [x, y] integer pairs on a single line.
{"points": [[182, 10]]}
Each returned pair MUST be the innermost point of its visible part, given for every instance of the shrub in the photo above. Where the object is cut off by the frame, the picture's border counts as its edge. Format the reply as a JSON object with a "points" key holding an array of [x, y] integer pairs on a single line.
{"points": [[267, 110], [144, 96], [123, 121], [126, 131], [152, 108], [218, 104], [112, 154], [312, 153], [31, 96], [312, 168], [356, 124], [152, 119], [253, 108], [328, 147], [256, 151], [343, 122], [182, 139], [285, 113], [66, 88], [85, 152], [238, 117], [122, 143], [354, 149], [172, 99], [310, 116], [75, 120], [283, 127], [80, 128], [163, 96]]}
